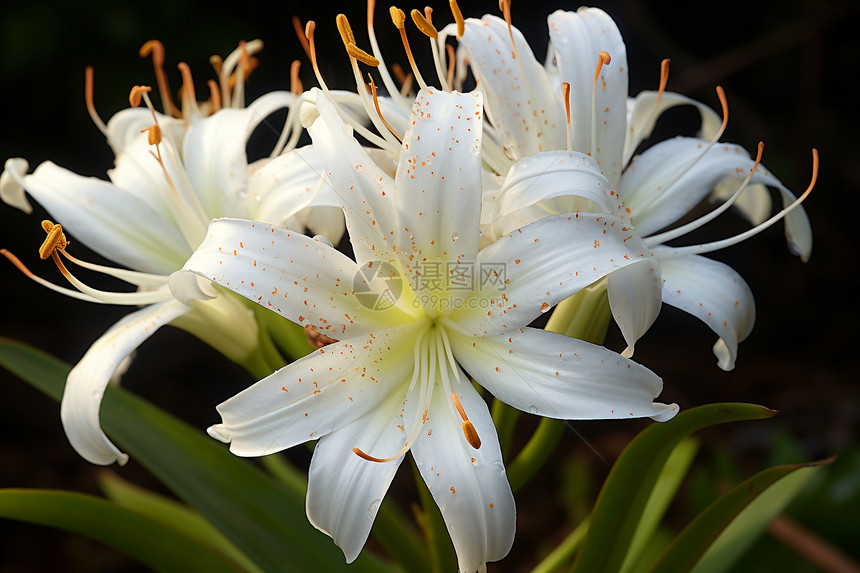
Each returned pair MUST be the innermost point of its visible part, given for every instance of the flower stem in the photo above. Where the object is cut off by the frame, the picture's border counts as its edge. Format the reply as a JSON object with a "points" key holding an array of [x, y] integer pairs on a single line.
{"points": [[442, 556], [505, 419], [289, 336]]}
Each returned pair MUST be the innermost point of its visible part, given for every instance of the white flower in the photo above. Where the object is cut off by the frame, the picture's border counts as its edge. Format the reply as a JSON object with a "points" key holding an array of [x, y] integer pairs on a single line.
{"points": [[526, 105], [396, 381], [168, 183]]}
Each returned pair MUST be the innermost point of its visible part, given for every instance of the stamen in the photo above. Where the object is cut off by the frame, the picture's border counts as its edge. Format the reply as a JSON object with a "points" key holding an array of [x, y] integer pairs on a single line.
{"points": [[452, 57], [721, 94], [379, 111], [156, 48], [664, 78], [189, 96], [565, 90], [309, 34], [468, 428], [458, 17], [54, 241], [362, 56], [603, 59], [214, 95], [302, 36], [399, 19], [295, 82], [88, 96], [404, 79], [669, 252], [505, 7], [153, 134], [422, 24], [47, 284], [345, 30], [692, 225], [217, 64], [136, 94], [428, 14]]}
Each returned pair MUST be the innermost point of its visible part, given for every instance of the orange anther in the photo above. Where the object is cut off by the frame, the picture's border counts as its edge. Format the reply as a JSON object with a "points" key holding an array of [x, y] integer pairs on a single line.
{"points": [[603, 59], [136, 94], [458, 17], [55, 239]]}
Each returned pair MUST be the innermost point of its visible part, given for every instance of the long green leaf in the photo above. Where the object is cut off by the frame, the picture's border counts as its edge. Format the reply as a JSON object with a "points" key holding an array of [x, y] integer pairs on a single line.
{"points": [[628, 487], [259, 515], [150, 541], [720, 534]]}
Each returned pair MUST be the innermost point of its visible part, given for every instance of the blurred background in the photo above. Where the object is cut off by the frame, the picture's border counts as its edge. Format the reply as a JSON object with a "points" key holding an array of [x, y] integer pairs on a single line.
{"points": [[787, 68]]}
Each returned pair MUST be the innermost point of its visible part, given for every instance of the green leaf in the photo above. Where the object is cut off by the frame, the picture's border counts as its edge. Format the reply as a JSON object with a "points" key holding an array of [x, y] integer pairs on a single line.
{"points": [[262, 517], [152, 542], [718, 536], [661, 496], [173, 514], [627, 489]]}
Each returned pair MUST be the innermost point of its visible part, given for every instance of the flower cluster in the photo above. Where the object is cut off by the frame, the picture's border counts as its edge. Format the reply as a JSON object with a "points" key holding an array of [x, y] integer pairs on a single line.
{"points": [[470, 214]]}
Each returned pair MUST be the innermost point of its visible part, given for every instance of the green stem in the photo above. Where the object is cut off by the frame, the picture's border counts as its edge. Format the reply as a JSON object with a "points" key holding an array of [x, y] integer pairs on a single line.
{"points": [[505, 419], [535, 453], [563, 554], [289, 336]]}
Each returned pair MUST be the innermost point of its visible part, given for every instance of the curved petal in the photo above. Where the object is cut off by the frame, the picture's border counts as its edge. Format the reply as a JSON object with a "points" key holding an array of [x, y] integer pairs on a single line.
{"points": [[85, 386], [126, 125], [344, 490], [520, 100], [553, 174], [556, 376], [715, 294], [646, 108], [534, 268], [598, 115], [287, 184], [326, 221], [635, 296], [317, 394], [106, 219], [437, 188], [214, 154], [11, 191], [364, 189], [469, 485], [301, 279]]}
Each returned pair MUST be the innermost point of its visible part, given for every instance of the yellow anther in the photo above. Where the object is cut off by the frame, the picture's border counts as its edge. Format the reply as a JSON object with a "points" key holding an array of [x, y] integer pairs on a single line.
{"points": [[360, 55], [664, 77], [55, 239], [422, 24], [136, 94], [345, 30], [458, 17], [398, 17], [153, 134], [471, 434], [565, 91]]}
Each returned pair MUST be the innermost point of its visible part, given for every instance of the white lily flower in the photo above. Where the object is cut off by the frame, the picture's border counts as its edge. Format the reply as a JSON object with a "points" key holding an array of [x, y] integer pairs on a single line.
{"points": [[167, 184], [396, 380], [528, 108]]}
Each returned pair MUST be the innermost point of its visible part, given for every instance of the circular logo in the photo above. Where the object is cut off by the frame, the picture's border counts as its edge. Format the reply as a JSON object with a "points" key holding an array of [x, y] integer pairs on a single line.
{"points": [[377, 285]]}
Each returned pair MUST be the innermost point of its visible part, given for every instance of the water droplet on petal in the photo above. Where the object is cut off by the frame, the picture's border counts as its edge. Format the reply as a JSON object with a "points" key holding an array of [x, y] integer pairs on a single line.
{"points": [[242, 193], [533, 409], [455, 236], [374, 507]]}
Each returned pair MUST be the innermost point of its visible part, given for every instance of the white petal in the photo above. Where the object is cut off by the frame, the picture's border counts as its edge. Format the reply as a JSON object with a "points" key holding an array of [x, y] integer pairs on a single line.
{"points": [[126, 125], [364, 189], [438, 182], [553, 174], [600, 121], [108, 220], [344, 490], [714, 293], [534, 268], [635, 296], [11, 191], [556, 376], [469, 485], [520, 100], [303, 280], [215, 157], [87, 381], [317, 394], [645, 109], [282, 187]]}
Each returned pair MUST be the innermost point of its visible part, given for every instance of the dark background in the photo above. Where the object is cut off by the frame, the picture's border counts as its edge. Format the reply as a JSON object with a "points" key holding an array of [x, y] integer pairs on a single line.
{"points": [[788, 68]]}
